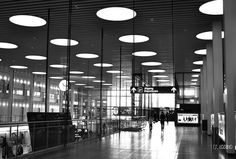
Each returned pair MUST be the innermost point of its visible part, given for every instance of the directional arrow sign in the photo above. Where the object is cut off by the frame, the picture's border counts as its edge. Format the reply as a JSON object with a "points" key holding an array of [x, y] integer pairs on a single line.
{"points": [[133, 90], [173, 90]]}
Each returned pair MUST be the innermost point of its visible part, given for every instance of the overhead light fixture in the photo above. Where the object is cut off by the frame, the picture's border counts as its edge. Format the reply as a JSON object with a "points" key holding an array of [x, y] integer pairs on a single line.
{"points": [[76, 72], [201, 52], [122, 76], [102, 65], [214, 7], [88, 77], [98, 81], [207, 35], [196, 70], [195, 75], [87, 55], [116, 13], [107, 84], [72, 81], [144, 53], [198, 62], [80, 84], [114, 71], [133, 38], [151, 63], [0, 59], [56, 77], [88, 86], [64, 42], [27, 20], [160, 76], [156, 71], [163, 80], [35, 57], [39, 73], [194, 80], [5, 45], [58, 66], [193, 83], [18, 67]]}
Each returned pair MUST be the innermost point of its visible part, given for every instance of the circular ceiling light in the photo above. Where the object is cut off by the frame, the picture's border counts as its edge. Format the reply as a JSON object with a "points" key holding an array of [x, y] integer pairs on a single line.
{"points": [[144, 53], [76, 72], [195, 75], [87, 55], [151, 63], [156, 71], [198, 62], [196, 70], [193, 83], [162, 80], [160, 76], [39, 73], [102, 65], [194, 80], [80, 84], [56, 77], [35, 57], [114, 71], [133, 38], [98, 81], [207, 35], [64, 42], [122, 77], [116, 13], [201, 52], [58, 66], [88, 86], [72, 81], [0, 59], [212, 8], [5, 45], [88, 77], [18, 67], [27, 20], [107, 84]]}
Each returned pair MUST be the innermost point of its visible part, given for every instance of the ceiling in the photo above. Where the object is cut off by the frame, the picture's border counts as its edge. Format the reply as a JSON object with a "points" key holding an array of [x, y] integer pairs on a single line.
{"points": [[170, 25]]}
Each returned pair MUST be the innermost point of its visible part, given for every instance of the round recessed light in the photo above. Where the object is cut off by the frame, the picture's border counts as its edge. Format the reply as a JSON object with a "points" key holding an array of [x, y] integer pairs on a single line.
{"points": [[194, 80], [198, 62], [64, 42], [27, 20], [76, 72], [87, 55], [212, 8], [144, 53], [39, 73], [156, 71], [0, 59], [122, 76], [193, 83], [207, 35], [195, 75], [35, 57], [56, 77], [201, 52], [116, 13], [102, 65], [88, 86], [107, 84], [18, 67], [160, 76], [88, 77], [114, 71], [80, 84], [162, 80], [134, 38], [72, 81], [196, 70], [151, 63], [58, 66], [98, 81], [5, 45]]}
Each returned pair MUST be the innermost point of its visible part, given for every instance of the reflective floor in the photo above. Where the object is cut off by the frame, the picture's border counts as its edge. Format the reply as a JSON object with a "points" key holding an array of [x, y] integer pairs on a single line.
{"points": [[171, 143]]}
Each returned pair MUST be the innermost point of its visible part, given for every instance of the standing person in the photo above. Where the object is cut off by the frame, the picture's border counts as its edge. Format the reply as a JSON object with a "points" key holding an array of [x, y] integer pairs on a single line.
{"points": [[162, 118], [167, 117], [150, 124]]}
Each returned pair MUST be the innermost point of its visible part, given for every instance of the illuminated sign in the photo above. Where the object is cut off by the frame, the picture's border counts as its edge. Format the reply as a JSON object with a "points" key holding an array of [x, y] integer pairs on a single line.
{"points": [[149, 89], [187, 118]]}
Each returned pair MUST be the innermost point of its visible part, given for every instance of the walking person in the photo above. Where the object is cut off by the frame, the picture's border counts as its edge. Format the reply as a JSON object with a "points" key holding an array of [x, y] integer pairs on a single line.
{"points": [[162, 118], [150, 124]]}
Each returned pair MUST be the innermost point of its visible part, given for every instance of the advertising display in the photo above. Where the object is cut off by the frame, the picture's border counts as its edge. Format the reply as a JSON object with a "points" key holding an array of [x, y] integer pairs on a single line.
{"points": [[222, 126], [188, 118]]}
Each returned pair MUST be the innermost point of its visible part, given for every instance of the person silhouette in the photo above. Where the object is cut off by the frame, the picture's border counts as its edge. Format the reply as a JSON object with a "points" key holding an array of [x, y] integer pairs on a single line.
{"points": [[162, 118]]}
